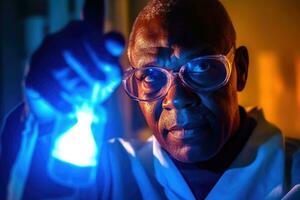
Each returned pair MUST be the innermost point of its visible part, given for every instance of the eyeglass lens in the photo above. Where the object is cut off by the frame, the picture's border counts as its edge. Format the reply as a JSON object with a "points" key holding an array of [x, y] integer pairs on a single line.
{"points": [[147, 83], [205, 74], [200, 74]]}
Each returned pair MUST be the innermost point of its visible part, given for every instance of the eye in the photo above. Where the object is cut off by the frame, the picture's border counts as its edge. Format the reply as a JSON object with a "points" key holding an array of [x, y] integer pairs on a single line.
{"points": [[205, 73], [144, 75], [149, 79], [201, 67], [151, 75]]}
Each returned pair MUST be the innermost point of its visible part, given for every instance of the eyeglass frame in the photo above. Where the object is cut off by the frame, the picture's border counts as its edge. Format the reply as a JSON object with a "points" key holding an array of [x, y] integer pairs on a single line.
{"points": [[171, 75]]}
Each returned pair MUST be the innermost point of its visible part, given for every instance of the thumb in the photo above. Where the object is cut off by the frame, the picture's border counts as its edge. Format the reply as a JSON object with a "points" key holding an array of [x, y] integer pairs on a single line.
{"points": [[114, 43]]}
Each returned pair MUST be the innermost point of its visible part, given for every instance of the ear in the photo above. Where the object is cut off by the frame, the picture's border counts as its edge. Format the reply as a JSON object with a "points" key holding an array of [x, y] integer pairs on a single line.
{"points": [[241, 61]]}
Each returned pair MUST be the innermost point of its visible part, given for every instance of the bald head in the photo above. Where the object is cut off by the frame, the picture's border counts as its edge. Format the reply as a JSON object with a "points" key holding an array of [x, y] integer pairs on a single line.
{"points": [[189, 23], [170, 35]]}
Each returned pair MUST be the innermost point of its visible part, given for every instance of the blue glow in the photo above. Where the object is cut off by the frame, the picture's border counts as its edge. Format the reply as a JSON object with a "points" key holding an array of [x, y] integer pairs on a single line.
{"points": [[74, 153], [112, 73], [77, 146], [78, 67], [114, 47], [39, 106]]}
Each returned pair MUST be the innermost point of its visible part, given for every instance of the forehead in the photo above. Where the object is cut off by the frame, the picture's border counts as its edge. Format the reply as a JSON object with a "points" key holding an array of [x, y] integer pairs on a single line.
{"points": [[187, 24], [156, 42]]}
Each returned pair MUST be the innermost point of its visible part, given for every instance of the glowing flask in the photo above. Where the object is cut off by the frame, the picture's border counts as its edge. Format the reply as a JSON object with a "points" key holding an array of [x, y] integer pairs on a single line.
{"points": [[73, 159]]}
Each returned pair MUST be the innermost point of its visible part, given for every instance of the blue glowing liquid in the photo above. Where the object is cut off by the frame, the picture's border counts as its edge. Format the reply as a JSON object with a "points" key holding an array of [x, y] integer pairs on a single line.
{"points": [[73, 160]]}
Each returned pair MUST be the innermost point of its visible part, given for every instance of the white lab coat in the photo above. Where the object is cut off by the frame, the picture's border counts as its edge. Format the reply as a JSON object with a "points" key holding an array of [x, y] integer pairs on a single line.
{"points": [[258, 172], [147, 172]]}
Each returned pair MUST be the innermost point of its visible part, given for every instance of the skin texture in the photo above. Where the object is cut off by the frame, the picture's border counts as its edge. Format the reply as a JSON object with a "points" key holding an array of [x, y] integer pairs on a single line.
{"points": [[169, 38]]}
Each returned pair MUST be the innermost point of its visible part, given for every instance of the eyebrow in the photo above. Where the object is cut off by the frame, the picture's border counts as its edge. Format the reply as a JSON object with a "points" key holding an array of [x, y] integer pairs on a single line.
{"points": [[150, 50], [204, 51], [147, 60]]}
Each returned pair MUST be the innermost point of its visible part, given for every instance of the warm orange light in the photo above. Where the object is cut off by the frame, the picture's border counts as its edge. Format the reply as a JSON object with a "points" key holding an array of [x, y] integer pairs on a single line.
{"points": [[298, 81], [297, 65], [270, 84]]}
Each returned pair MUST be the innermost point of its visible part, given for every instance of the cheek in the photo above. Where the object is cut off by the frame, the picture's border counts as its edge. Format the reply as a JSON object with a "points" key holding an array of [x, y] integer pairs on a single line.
{"points": [[152, 112], [224, 106], [223, 101]]}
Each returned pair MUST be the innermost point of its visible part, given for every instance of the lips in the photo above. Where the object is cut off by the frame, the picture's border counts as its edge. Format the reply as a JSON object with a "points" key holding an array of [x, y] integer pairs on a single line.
{"points": [[183, 134], [187, 131]]}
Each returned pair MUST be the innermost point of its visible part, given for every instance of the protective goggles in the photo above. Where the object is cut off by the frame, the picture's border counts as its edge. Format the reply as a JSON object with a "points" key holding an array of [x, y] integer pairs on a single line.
{"points": [[202, 74]]}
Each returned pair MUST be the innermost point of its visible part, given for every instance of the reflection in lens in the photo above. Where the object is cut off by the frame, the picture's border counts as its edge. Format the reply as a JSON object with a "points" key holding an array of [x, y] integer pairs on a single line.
{"points": [[205, 73], [147, 83]]}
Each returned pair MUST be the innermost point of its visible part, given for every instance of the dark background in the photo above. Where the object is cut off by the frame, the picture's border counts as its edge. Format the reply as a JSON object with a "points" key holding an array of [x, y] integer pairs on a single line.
{"points": [[24, 23], [270, 29]]}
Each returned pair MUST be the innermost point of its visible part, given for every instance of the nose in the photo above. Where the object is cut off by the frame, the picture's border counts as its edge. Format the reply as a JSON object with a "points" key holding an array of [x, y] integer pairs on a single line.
{"points": [[180, 97]]}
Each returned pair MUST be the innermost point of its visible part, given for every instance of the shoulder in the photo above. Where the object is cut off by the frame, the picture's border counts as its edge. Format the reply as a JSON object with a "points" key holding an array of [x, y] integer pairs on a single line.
{"points": [[290, 148], [130, 146], [12, 128], [292, 145], [15, 118], [292, 151], [13, 121], [124, 170], [13, 125], [263, 124], [10, 138], [130, 152]]}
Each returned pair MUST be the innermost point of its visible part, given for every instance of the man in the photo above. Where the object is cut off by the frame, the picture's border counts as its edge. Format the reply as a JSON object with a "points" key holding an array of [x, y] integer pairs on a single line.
{"points": [[186, 72]]}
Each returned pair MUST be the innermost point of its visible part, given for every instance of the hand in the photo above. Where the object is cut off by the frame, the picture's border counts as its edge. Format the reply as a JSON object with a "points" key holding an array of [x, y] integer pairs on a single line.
{"points": [[75, 65]]}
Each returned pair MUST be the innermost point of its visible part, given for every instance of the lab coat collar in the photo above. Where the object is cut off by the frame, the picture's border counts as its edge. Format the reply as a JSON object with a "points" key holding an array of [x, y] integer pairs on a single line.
{"points": [[256, 173]]}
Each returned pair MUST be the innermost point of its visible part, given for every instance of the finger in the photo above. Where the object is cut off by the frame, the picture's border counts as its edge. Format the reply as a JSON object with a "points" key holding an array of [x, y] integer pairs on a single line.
{"points": [[75, 89], [107, 67], [93, 55], [74, 100], [114, 43], [40, 107], [111, 71], [67, 80], [93, 13], [78, 67], [42, 62], [50, 89], [61, 73], [72, 84]]}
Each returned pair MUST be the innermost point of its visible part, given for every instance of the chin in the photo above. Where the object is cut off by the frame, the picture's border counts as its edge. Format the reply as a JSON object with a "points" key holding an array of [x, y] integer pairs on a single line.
{"points": [[192, 154]]}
